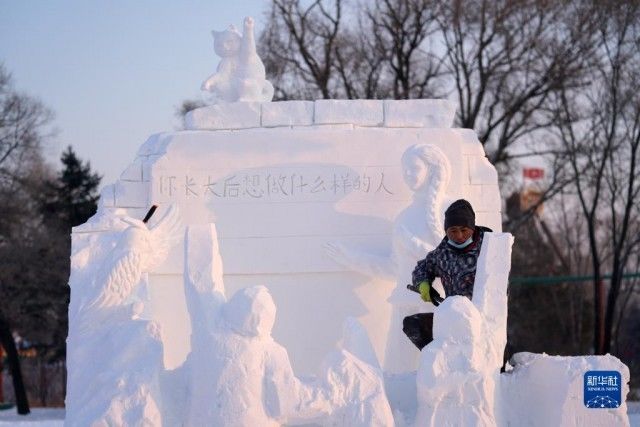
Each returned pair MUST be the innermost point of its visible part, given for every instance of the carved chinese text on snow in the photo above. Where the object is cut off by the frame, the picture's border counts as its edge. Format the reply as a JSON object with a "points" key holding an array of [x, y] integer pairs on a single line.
{"points": [[284, 184]]}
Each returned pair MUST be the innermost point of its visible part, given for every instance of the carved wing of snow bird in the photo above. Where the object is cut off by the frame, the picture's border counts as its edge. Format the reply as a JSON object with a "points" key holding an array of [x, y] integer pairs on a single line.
{"points": [[139, 250]]}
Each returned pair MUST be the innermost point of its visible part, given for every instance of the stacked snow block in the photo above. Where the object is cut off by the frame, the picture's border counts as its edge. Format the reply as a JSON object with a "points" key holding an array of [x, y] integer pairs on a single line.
{"points": [[418, 113], [490, 292], [131, 191]]}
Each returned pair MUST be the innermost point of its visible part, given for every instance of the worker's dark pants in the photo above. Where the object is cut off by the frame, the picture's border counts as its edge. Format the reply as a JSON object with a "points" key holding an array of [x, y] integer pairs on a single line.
{"points": [[419, 328]]}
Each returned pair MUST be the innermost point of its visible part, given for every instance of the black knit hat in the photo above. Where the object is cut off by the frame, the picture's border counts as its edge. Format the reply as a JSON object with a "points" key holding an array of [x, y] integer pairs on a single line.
{"points": [[460, 213]]}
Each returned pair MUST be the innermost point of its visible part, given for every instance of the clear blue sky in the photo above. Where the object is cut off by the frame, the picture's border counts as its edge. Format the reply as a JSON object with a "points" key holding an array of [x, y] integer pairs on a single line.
{"points": [[114, 71]]}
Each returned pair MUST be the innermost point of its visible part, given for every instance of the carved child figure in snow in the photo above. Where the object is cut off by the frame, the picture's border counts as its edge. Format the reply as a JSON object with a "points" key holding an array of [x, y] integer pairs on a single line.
{"points": [[250, 378], [240, 75], [240, 376]]}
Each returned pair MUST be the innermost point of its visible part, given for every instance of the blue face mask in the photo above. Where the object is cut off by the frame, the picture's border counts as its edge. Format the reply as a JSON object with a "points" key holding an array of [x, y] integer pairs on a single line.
{"points": [[461, 245]]}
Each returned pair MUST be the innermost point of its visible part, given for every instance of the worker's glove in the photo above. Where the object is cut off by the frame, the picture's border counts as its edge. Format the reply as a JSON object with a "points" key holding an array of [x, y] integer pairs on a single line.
{"points": [[425, 291]]}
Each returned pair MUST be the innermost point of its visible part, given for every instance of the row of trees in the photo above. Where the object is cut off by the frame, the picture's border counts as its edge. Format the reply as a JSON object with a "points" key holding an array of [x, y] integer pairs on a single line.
{"points": [[548, 79], [39, 207]]}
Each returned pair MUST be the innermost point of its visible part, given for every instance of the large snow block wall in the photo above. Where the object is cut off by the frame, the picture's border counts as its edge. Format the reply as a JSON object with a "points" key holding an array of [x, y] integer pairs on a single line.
{"points": [[283, 179]]}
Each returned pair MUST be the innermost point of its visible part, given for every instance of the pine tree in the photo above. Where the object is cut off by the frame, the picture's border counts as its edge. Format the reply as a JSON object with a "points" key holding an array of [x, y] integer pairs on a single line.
{"points": [[73, 196], [38, 264]]}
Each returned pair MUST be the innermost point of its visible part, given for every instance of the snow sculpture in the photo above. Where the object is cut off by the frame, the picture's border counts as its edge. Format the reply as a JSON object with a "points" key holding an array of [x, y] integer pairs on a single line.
{"points": [[240, 75], [355, 382], [238, 375], [456, 383], [114, 357], [338, 162], [417, 230], [290, 177], [246, 378], [205, 296]]}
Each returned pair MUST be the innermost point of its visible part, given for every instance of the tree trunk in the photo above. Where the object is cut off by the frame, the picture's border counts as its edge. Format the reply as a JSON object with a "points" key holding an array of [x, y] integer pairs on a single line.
{"points": [[612, 299], [9, 345], [599, 337], [43, 381]]}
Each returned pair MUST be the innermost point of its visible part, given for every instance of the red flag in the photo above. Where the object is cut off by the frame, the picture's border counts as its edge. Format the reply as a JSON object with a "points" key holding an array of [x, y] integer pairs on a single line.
{"points": [[533, 173]]}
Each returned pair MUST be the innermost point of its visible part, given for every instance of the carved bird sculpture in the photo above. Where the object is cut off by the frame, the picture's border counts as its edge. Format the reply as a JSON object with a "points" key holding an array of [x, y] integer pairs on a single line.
{"points": [[139, 250]]}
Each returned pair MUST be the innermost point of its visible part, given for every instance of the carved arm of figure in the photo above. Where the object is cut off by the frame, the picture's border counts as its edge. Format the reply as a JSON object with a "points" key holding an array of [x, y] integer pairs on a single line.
{"points": [[248, 40], [288, 399], [251, 72], [412, 243], [211, 82], [366, 263]]}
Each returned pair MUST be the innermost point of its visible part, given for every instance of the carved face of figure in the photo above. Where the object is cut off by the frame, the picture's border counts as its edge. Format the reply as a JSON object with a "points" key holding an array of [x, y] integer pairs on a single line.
{"points": [[414, 172], [226, 43], [251, 312]]}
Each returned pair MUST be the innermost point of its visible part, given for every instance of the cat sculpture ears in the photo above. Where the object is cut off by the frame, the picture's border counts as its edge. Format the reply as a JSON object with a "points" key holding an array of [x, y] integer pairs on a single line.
{"points": [[232, 29], [240, 76]]}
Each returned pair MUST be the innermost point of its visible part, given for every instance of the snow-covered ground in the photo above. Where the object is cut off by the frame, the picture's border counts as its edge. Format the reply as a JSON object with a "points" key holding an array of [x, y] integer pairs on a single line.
{"points": [[39, 417], [633, 409], [54, 417]]}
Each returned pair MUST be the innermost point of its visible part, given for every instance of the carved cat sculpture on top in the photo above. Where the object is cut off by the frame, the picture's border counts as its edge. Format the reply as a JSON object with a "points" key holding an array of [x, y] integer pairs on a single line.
{"points": [[240, 75]]}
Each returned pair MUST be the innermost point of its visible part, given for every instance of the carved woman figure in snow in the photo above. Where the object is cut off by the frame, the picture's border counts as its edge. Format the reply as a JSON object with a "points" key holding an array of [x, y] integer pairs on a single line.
{"points": [[416, 231]]}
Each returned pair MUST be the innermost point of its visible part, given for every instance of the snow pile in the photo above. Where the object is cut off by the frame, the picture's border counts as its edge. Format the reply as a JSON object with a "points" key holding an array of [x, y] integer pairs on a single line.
{"points": [[548, 390]]}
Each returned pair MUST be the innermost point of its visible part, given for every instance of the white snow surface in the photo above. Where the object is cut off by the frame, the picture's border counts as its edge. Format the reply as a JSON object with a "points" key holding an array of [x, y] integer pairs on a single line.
{"points": [[548, 390], [54, 417], [38, 417]]}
